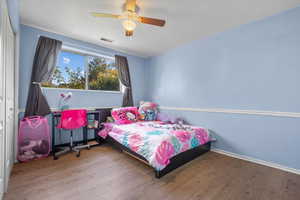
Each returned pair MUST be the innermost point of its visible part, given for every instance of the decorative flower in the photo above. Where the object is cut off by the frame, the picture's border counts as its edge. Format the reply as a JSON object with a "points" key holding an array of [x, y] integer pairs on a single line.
{"points": [[194, 142], [164, 152], [185, 147], [64, 97], [135, 142], [183, 136], [202, 135], [176, 144]]}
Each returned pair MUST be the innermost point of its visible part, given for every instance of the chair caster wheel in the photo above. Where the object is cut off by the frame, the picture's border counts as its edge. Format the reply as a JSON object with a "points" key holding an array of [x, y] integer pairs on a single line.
{"points": [[78, 154], [89, 148], [55, 158]]}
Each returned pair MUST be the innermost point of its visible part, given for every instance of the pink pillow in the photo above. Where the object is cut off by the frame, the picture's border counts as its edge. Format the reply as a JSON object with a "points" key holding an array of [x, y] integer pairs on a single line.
{"points": [[125, 115]]}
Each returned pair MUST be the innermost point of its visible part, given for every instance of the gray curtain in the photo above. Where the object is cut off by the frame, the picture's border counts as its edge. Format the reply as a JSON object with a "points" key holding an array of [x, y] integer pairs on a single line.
{"points": [[124, 77], [44, 63]]}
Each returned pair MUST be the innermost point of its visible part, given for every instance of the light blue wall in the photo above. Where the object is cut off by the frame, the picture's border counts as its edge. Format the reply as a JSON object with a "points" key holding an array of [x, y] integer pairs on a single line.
{"points": [[255, 67], [13, 10], [29, 38], [80, 99]]}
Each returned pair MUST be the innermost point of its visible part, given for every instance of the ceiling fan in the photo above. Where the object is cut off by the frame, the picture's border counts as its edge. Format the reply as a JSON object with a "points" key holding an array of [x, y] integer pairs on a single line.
{"points": [[130, 18]]}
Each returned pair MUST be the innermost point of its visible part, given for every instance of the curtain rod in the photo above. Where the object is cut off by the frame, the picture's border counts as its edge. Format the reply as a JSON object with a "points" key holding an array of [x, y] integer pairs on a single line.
{"points": [[86, 50]]}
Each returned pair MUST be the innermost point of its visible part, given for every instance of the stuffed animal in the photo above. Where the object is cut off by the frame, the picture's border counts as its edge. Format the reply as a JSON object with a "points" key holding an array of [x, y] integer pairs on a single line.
{"points": [[36, 146], [148, 111], [42, 147], [110, 119], [131, 116]]}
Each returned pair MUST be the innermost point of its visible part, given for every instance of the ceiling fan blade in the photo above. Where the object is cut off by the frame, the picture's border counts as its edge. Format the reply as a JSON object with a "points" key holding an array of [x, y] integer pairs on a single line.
{"points": [[152, 21], [105, 15], [131, 5]]}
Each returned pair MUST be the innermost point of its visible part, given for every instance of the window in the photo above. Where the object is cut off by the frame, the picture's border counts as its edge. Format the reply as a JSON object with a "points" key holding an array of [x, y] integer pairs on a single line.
{"points": [[82, 71]]}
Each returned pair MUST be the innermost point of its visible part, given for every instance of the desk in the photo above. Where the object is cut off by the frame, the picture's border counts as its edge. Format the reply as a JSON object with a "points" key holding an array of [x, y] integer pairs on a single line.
{"points": [[55, 120]]}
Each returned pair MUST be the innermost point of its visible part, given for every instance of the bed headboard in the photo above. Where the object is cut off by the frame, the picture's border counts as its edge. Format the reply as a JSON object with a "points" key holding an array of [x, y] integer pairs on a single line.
{"points": [[104, 113]]}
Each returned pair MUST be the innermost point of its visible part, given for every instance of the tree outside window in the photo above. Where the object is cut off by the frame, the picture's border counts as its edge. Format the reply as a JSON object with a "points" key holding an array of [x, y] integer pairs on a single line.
{"points": [[77, 71]]}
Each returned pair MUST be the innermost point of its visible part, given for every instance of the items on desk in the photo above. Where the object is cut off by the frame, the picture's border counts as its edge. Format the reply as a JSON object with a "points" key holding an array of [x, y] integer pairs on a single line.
{"points": [[93, 124], [33, 138], [63, 100]]}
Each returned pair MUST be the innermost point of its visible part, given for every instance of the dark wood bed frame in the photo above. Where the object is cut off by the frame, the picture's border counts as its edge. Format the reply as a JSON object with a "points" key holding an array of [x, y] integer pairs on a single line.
{"points": [[175, 161]]}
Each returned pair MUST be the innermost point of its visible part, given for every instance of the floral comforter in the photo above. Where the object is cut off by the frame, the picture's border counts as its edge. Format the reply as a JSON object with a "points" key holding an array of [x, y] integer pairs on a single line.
{"points": [[156, 141]]}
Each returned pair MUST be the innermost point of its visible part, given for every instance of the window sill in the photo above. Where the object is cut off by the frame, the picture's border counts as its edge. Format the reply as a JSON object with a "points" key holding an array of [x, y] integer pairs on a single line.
{"points": [[82, 90]]}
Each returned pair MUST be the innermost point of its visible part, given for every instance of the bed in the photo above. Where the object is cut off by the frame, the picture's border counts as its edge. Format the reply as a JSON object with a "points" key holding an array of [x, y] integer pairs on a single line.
{"points": [[163, 146]]}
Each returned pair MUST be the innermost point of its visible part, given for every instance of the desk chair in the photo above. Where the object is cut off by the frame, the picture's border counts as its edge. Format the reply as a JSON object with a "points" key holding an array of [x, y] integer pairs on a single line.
{"points": [[71, 120]]}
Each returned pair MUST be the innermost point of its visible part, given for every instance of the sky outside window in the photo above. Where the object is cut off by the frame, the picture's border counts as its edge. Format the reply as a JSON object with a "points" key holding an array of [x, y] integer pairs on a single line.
{"points": [[74, 62], [70, 72]]}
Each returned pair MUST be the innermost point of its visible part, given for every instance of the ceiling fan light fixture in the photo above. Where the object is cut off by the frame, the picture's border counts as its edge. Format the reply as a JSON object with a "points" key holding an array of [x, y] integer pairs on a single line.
{"points": [[128, 33], [129, 25], [130, 18]]}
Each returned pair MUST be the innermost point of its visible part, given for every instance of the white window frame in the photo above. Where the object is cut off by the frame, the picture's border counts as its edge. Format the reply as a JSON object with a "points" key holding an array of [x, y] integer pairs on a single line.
{"points": [[86, 54]]}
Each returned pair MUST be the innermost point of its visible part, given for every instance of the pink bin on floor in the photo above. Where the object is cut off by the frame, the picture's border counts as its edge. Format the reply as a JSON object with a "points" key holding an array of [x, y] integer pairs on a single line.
{"points": [[33, 138]]}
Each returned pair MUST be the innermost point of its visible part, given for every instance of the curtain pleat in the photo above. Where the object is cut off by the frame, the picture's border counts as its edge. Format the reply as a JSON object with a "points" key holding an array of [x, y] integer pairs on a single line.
{"points": [[124, 77], [44, 64]]}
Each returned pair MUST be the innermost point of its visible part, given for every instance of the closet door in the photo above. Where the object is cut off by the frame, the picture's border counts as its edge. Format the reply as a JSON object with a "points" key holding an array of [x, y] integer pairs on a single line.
{"points": [[2, 100], [10, 100], [7, 97]]}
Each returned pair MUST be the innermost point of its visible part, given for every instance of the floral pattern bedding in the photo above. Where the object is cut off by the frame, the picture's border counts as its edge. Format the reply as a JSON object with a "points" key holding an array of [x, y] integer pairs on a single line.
{"points": [[156, 141]]}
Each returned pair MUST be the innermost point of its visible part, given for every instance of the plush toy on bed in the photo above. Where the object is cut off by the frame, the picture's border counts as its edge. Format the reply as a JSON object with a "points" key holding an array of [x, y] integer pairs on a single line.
{"points": [[110, 119], [170, 119], [148, 111], [125, 115], [163, 117]]}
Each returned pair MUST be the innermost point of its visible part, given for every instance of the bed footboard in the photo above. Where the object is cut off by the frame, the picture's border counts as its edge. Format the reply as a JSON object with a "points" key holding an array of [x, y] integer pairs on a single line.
{"points": [[175, 162], [183, 158]]}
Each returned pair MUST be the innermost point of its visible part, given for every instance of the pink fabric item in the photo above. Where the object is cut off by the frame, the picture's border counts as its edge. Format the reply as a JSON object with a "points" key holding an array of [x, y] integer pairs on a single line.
{"points": [[73, 119], [135, 141], [125, 115], [202, 135], [107, 128], [164, 152], [185, 147], [183, 136], [33, 138], [156, 141]]}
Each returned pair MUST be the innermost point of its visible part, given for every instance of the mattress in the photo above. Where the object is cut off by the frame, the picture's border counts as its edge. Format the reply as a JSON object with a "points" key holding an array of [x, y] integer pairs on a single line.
{"points": [[156, 141]]}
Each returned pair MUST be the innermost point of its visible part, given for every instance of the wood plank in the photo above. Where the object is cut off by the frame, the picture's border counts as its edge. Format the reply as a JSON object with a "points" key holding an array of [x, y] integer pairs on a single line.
{"points": [[104, 173]]}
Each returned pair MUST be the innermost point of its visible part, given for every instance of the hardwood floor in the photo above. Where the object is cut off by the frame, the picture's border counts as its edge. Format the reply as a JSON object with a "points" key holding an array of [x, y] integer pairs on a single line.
{"points": [[104, 173]]}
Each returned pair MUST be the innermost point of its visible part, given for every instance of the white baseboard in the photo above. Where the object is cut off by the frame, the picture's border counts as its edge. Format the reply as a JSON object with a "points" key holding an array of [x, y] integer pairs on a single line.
{"points": [[258, 161], [1, 188]]}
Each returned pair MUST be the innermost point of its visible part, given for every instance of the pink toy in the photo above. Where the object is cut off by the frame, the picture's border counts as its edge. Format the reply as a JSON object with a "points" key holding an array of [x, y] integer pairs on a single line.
{"points": [[33, 139], [148, 111]]}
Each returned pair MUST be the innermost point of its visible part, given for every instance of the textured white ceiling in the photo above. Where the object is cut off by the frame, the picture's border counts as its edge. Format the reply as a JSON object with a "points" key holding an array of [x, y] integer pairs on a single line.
{"points": [[187, 20]]}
